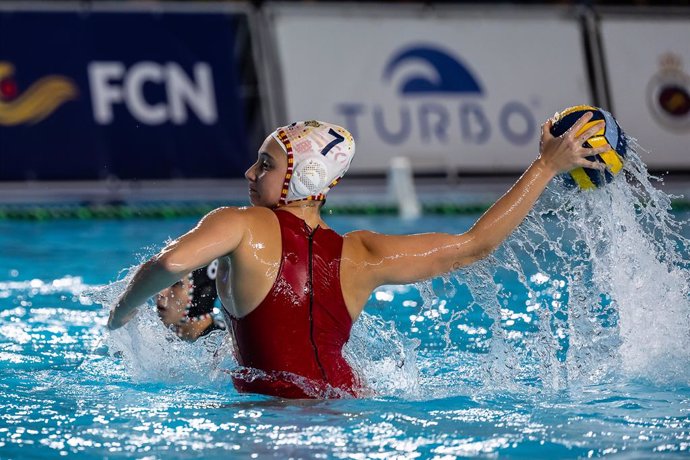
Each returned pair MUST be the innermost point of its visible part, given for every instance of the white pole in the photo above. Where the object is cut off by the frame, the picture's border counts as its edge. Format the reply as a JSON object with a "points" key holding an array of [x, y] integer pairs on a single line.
{"points": [[401, 187]]}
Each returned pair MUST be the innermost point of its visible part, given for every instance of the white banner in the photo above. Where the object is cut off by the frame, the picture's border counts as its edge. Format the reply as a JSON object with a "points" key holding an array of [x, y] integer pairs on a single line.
{"points": [[648, 63], [452, 90]]}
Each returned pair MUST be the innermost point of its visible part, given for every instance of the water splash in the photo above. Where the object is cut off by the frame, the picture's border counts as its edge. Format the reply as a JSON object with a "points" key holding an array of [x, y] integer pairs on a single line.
{"points": [[151, 353], [384, 357], [593, 285]]}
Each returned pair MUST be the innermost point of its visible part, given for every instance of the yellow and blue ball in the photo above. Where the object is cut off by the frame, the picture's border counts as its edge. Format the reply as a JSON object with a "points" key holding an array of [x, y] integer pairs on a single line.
{"points": [[610, 134]]}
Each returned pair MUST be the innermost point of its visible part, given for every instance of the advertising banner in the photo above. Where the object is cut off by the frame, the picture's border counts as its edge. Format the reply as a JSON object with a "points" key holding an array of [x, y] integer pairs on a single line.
{"points": [[88, 95], [648, 64], [448, 90]]}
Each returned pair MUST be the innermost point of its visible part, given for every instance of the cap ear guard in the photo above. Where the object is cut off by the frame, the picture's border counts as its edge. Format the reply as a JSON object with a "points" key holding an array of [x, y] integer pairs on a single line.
{"points": [[309, 177]]}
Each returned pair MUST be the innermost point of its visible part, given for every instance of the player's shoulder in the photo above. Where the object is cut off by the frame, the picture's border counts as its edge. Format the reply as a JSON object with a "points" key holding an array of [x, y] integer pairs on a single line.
{"points": [[236, 220], [236, 217], [360, 234], [239, 212], [365, 239]]}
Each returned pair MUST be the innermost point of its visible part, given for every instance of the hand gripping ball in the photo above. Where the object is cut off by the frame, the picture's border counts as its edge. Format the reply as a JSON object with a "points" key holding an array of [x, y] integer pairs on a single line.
{"points": [[611, 134]]}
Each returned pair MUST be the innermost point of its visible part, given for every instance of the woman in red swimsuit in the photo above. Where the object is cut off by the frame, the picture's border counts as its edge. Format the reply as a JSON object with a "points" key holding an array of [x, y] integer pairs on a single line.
{"points": [[291, 287]]}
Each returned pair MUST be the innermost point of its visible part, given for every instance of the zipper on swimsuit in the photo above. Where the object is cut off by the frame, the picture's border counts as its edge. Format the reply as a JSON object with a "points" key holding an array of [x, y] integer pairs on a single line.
{"points": [[311, 298]]}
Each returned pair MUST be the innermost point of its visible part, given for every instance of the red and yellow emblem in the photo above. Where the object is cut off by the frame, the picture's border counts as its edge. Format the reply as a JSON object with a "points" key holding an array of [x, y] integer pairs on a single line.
{"points": [[36, 103]]}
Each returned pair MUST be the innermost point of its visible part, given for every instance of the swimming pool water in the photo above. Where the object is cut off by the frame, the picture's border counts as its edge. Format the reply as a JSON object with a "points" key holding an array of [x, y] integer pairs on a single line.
{"points": [[502, 360]]}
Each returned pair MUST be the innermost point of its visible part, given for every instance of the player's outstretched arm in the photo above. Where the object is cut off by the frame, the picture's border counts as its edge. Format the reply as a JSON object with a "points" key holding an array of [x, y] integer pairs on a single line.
{"points": [[404, 259]]}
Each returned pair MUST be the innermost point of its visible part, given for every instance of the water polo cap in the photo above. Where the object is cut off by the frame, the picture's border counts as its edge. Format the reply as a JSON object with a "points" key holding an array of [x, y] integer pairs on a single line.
{"points": [[318, 155]]}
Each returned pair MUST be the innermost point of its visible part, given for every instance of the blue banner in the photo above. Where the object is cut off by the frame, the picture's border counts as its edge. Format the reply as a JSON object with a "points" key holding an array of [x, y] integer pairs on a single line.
{"points": [[126, 95]]}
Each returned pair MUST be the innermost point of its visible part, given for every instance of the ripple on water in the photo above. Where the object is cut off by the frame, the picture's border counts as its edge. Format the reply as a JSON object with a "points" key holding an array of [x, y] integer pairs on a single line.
{"points": [[570, 342]]}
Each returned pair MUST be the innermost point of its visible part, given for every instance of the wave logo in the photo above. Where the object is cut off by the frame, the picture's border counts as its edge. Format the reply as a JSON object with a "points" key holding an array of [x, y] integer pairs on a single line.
{"points": [[441, 73], [438, 101], [38, 102]]}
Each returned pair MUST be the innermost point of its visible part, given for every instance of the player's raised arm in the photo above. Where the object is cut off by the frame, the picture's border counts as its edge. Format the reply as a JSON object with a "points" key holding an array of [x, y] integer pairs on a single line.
{"points": [[217, 234], [403, 259]]}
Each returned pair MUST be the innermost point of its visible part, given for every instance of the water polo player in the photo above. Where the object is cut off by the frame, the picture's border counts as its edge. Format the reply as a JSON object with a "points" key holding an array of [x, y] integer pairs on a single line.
{"points": [[187, 306], [292, 287]]}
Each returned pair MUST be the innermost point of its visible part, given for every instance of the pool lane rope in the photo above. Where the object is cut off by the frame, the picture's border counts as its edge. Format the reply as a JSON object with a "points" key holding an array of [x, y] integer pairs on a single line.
{"points": [[179, 210]]}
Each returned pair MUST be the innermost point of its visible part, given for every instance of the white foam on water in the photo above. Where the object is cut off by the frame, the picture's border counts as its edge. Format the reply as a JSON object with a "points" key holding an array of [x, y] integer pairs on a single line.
{"points": [[602, 285], [646, 268], [151, 353], [383, 357]]}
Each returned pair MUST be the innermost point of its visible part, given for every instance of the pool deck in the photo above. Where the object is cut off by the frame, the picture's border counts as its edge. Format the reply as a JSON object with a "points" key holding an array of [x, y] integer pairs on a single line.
{"points": [[353, 190], [480, 191]]}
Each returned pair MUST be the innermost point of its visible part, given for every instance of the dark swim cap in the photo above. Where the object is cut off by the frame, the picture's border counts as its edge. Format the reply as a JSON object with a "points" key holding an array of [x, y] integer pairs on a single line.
{"points": [[202, 293]]}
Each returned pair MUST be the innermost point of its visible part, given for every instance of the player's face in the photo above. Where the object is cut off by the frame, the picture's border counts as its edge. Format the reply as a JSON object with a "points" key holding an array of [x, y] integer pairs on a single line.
{"points": [[267, 175]]}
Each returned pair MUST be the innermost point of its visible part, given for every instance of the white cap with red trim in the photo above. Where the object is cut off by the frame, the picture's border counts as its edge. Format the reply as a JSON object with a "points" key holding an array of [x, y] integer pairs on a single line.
{"points": [[318, 153]]}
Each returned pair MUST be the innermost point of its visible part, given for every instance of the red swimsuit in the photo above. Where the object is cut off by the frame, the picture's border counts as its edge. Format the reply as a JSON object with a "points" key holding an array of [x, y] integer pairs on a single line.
{"points": [[291, 344]]}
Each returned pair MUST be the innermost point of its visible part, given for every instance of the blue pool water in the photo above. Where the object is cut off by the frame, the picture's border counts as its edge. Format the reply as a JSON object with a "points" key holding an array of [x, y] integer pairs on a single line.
{"points": [[572, 341]]}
